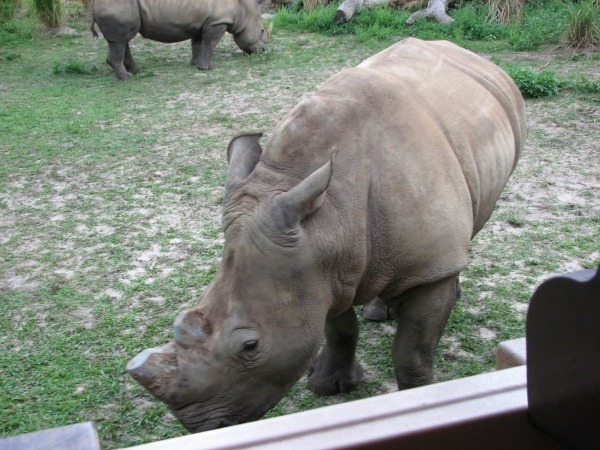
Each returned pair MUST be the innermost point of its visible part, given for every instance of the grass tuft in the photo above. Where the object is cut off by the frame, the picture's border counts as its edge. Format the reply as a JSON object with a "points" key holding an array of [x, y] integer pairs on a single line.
{"points": [[73, 67]]}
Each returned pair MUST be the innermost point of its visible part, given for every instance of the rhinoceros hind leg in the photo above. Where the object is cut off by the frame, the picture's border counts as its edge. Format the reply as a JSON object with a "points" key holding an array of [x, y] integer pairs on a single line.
{"points": [[422, 315], [377, 311], [204, 45], [129, 62], [335, 369], [115, 59]]}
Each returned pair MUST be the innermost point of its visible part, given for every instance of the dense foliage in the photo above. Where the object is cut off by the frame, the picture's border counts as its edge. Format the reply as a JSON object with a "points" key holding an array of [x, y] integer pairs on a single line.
{"points": [[542, 23]]}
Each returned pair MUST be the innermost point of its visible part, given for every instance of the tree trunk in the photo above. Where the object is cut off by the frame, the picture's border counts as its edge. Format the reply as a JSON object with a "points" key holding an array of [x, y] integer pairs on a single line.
{"points": [[435, 9], [347, 9]]}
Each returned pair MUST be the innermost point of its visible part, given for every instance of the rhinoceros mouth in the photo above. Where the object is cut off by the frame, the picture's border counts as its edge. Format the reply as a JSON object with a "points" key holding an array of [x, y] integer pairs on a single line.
{"points": [[208, 425]]}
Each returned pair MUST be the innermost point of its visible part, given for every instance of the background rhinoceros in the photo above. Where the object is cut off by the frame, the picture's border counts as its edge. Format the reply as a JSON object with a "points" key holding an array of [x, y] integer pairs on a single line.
{"points": [[373, 186], [203, 21]]}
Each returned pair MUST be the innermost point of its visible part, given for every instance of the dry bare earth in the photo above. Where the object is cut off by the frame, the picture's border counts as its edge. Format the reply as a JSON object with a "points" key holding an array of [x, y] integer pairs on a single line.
{"points": [[136, 235]]}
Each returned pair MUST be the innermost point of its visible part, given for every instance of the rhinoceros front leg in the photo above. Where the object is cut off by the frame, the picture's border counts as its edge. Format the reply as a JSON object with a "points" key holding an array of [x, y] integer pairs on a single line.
{"points": [[336, 370], [128, 61], [204, 45], [116, 57], [422, 315]]}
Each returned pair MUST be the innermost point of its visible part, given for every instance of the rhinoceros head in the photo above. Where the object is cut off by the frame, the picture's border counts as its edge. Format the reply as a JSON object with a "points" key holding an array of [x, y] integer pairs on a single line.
{"points": [[249, 33], [256, 328]]}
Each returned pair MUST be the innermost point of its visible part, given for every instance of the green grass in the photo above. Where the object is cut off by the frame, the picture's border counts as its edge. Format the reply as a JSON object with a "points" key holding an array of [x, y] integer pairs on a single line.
{"points": [[110, 196], [8, 9]]}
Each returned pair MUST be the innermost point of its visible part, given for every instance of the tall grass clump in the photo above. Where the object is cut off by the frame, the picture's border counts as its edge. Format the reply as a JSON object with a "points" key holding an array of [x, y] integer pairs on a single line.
{"points": [[311, 4], [582, 28], [50, 12], [505, 11], [8, 8]]}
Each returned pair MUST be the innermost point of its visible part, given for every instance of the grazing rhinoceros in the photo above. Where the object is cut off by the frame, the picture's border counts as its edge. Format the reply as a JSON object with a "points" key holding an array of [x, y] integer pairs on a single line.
{"points": [[373, 186], [202, 21]]}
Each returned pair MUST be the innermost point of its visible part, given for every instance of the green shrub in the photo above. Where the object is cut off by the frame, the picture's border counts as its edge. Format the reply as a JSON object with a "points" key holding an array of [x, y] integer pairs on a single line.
{"points": [[8, 8], [533, 84], [582, 28], [50, 12]]}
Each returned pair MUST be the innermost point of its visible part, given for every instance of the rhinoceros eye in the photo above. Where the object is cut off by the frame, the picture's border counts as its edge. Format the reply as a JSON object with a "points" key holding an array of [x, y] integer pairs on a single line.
{"points": [[244, 342]]}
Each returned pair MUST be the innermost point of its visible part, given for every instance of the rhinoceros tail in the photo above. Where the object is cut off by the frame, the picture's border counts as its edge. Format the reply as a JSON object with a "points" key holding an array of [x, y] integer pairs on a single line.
{"points": [[94, 32]]}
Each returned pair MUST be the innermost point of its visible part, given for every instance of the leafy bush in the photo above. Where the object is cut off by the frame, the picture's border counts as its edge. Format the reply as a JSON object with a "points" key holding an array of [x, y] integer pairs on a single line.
{"points": [[541, 24], [533, 84], [8, 8], [582, 25]]}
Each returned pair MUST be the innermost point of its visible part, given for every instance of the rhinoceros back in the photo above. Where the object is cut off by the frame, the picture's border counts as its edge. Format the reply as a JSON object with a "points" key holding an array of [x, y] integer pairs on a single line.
{"points": [[476, 106], [179, 20]]}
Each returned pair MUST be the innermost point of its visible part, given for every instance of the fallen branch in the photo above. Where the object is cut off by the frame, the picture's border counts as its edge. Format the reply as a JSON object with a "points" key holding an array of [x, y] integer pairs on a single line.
{"points": [[436, 9], [347, 9]]}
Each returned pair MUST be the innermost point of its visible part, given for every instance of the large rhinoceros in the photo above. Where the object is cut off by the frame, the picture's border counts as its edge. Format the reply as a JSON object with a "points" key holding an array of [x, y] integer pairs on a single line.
{"points": [[373, 186], [203, 21]]}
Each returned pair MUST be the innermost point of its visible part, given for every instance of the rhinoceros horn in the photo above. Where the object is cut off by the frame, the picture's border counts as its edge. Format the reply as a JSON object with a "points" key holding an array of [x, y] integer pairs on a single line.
{"points": [[188, 329], [153, 368], [289, 208]]}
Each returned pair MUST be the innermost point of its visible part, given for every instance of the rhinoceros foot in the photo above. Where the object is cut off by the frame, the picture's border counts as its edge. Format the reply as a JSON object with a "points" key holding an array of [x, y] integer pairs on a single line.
{"points": [[124, 76], [327, 379]]}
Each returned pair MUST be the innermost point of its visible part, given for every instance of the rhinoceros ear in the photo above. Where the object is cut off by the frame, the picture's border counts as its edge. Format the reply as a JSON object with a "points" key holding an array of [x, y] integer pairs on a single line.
{"points": [[289, 208], [243, 154]]}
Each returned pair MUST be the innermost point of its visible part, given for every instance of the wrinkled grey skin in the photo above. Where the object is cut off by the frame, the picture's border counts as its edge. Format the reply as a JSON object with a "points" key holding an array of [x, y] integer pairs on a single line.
{"points": [[203, 21], [372, 187]]}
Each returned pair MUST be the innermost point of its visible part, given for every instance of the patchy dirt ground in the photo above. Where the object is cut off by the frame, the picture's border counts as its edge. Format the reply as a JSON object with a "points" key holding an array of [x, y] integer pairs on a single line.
{"points": [[110, 219]]}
